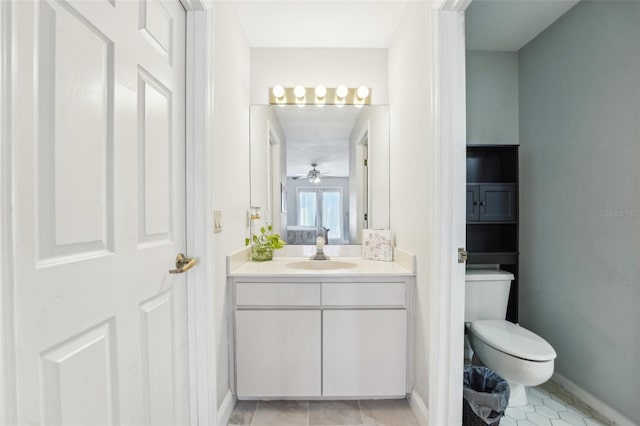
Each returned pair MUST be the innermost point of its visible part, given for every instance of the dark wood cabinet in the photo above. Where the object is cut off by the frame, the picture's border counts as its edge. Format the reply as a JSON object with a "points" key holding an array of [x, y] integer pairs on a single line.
{"points": [[473, 203], [492, 211], [491, 203]]}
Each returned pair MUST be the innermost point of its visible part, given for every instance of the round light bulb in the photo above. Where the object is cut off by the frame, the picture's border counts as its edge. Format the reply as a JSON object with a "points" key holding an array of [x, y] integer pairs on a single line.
{"points": [[342, 91], [321, 91], [278, 91], [363, 92], [299, 91]]}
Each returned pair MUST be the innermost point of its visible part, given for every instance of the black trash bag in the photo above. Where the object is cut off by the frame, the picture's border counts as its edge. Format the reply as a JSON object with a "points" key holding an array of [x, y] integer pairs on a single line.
{"points": [[486, 393]]}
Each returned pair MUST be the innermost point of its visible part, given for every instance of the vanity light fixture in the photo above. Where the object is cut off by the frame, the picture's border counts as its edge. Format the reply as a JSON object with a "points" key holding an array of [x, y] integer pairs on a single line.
{"points": [[319, 95]]}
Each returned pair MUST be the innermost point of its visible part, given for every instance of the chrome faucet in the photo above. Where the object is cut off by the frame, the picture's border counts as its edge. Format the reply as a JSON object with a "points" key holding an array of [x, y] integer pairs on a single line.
{"points": [[319, 250]]}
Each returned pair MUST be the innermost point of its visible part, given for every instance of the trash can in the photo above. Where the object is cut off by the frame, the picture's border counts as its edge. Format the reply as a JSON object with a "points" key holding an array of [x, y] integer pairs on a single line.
{"points": [[486, 396]]}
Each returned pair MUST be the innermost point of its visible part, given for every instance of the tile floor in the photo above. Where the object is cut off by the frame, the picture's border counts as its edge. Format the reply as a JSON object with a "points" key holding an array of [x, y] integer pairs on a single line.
{"points": [[549, 405], [391, 412]]}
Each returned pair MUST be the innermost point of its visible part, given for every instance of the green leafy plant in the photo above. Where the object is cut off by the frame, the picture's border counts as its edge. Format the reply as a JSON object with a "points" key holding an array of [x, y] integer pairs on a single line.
{"points": [[263, 244], [266, 238]]}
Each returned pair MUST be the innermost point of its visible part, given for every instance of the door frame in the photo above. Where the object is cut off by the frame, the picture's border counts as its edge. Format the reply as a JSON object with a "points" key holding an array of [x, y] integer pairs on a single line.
{"points": [[199, 211], [8, 402], [447, 290], [199, 105]]}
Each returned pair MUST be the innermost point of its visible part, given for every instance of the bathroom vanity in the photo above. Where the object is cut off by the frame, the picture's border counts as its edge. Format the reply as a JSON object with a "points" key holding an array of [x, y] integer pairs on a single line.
{"points": [[303, 329]]}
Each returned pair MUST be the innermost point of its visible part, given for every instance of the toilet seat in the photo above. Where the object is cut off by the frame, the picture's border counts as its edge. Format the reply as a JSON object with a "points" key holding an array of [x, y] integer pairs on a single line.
{"points": [[513, 340]]}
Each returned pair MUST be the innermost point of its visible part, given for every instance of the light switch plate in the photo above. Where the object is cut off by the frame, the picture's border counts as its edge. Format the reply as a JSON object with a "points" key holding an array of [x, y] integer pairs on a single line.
{"points": [[217, 216]]}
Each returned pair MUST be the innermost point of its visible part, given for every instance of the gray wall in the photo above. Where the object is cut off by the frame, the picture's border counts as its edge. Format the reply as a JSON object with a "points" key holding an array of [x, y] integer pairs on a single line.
{"points": [[492, 97], [579, 90]]}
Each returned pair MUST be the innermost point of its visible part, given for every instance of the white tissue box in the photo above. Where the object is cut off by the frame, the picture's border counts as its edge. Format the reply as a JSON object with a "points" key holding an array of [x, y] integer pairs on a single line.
{"points": [[377, 244]]}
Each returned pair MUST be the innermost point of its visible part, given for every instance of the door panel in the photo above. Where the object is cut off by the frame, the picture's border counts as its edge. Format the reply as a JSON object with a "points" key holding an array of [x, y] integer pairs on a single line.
{"points": [[78, 380], [75, 139], [473, 203], [364, 353], [498, 202], [100, 212], [278, 353], [157, 359], [154, 159]]}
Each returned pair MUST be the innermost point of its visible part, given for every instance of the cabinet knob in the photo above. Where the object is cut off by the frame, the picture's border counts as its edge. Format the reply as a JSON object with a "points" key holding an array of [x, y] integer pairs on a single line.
{"points": [[475, 203], [482, 203]]}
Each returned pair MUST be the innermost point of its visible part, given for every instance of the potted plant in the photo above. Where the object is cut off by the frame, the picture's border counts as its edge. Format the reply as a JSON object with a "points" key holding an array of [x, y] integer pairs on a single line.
{"points": [[263, 244]]}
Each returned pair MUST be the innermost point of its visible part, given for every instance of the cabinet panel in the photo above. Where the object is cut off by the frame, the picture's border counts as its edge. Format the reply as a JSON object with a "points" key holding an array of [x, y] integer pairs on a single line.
{"points": [[498, 203], [473, 203], [363, 294], [278, 353], [278, 294], [364, 353]]}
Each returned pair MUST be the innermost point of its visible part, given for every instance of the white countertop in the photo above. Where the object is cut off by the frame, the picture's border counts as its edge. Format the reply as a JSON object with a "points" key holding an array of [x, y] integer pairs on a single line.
{"points": [[278, 268]]}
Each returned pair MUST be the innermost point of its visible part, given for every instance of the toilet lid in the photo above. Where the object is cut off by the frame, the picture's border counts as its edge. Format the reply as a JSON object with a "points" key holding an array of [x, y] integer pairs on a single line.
{"points": [[513, 340]]}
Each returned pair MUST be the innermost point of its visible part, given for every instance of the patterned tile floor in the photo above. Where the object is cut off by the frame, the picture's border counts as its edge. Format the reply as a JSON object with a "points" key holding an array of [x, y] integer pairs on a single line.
{"points": [[550, 405]]}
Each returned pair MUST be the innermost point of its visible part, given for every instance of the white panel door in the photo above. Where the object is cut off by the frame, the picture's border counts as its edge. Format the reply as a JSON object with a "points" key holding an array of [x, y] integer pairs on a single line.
{"points": [[100, 212], [278, 353], [364, 353]]}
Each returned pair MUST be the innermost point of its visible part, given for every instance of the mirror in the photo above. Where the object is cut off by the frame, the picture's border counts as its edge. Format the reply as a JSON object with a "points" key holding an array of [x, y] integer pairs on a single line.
{"points": [[321, 170]]}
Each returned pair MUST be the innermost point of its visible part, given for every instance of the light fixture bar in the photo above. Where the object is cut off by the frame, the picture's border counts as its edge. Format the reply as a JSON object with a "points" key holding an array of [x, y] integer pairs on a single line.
{"points": [[310, 98]]}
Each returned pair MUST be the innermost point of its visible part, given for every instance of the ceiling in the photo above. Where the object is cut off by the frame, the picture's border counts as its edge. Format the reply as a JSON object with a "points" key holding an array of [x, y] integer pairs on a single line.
{"points": [[316, 23], [317, 135], [508, 25], [505, 25]]}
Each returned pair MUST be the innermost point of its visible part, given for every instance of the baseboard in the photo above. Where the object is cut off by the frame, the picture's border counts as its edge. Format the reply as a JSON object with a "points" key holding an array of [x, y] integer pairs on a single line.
{"points": [[419, 408], [592, 401], [225, 410]]}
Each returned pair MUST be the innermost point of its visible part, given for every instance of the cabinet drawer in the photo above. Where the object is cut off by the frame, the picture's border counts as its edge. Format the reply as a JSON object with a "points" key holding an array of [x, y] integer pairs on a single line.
{"points": [[277, 294], [363, 294]]}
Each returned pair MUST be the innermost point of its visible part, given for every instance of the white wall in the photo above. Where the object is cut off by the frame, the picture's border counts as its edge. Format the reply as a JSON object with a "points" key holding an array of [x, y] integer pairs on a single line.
{"points": [[412, 162], [374, 122], [231, 163], [580, 197], [267, 141], [310, 67], [492, 98]]}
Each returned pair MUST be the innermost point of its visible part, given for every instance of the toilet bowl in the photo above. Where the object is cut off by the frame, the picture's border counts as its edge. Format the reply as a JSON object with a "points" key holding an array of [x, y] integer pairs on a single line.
{"points": [[520, 356], [523, 358]]}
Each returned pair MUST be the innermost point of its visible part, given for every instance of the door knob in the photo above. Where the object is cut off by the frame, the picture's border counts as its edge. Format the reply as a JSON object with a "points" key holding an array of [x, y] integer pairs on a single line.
{"points": [[183, 264]]}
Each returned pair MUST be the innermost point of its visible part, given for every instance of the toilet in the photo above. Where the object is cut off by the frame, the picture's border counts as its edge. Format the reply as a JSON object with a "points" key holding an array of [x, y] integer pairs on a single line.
{"points": [[520, 356]]}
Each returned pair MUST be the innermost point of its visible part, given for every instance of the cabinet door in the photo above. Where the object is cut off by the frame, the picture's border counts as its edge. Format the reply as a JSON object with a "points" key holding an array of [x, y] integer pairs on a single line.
{"points": [[278, 353], [364, 353], [473, 203], [498, 203]]}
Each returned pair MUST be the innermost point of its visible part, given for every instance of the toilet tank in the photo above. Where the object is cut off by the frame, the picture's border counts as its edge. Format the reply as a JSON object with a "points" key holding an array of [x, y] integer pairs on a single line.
{"points": [[486, 294]]}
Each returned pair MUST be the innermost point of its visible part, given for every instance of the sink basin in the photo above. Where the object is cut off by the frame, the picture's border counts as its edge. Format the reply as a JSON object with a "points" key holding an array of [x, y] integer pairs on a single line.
{"points": [[321, 265]]}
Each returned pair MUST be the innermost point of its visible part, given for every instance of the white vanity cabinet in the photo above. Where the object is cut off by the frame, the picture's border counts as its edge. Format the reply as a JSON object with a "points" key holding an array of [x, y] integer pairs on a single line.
{"points": [[321, 337], [278, 353]]}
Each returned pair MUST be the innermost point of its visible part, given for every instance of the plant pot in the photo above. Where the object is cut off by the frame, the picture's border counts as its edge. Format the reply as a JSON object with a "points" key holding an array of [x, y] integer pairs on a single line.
{"points": [[260, 253]]}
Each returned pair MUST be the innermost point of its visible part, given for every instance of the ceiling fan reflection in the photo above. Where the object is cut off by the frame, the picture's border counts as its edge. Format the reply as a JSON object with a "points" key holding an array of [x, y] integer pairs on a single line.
{"points": [[313, 175]]}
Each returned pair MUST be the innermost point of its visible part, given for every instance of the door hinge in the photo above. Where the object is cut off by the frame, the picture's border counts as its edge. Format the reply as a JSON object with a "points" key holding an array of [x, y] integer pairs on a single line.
{"points": [[366, 162], [366, 216], [462, 255]]}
